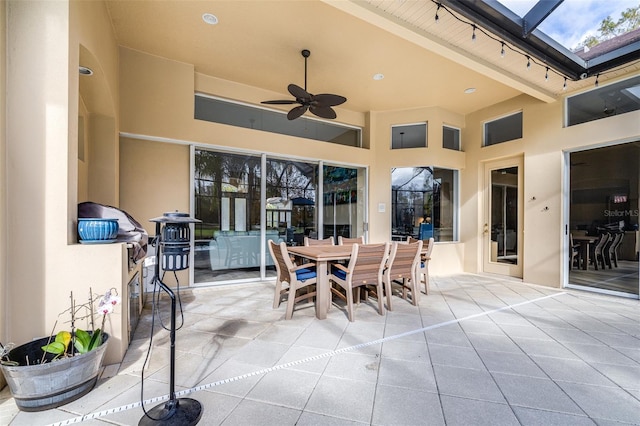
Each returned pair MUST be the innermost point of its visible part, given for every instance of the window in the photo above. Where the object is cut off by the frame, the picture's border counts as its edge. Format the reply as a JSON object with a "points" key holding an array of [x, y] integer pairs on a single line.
{"points": [[409, 136], [503, 129], [424, 203], [603, 102], [236, 114], [451, 138]]}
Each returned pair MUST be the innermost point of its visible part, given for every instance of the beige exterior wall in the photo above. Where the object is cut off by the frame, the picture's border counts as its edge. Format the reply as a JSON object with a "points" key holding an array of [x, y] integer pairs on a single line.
{"points": [[158, 110], [543, 144], [150, 99], [3, 177], [45, 263]]}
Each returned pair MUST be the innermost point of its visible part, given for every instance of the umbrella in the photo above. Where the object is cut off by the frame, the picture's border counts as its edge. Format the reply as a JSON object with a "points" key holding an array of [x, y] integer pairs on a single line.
{"points": [[301, 201]]}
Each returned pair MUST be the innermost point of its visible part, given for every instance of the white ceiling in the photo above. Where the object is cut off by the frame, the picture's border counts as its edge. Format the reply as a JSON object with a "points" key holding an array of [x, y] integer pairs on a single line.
{"points": [[258, 43]]}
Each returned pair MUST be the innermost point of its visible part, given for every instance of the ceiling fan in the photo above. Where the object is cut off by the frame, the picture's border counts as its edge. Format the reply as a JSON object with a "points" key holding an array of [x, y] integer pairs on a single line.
{"points": [[319, 105]]}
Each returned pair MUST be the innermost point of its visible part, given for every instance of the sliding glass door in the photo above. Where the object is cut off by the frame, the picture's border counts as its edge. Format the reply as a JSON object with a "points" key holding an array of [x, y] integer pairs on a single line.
{"points": [[227, 200], [602, 233], [343, 202], [244, 201]]}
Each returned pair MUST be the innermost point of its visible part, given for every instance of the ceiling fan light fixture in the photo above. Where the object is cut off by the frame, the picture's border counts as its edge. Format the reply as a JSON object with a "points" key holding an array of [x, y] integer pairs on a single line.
{"points": [[319, 105]]}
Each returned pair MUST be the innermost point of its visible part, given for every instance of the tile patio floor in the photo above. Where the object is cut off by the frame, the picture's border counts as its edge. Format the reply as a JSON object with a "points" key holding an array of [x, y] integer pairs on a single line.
{"points": [[461, 358]]}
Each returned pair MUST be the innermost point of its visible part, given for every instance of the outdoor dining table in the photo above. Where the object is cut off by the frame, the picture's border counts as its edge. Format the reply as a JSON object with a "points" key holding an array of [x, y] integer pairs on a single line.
{"points": [[321, 255], [584, 241]]}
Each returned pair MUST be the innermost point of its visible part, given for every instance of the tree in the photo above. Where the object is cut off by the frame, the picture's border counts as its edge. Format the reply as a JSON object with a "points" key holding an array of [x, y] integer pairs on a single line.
{"points": [[629, 20]]}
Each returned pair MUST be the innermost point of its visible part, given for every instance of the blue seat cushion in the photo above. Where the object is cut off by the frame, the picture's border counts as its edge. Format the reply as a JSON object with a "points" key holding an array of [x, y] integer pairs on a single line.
{"points": [[305, 274], [338, 272]]}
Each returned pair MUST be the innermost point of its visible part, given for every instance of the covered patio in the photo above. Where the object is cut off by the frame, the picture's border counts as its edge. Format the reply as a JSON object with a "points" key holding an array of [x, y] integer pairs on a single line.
{"points": [[478, 349]]}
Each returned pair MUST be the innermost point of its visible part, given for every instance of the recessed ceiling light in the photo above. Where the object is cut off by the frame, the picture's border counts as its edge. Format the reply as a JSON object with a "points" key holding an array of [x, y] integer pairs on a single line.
{"points": [[470, 90], [210, 18], [378, 76], [84, 70]]}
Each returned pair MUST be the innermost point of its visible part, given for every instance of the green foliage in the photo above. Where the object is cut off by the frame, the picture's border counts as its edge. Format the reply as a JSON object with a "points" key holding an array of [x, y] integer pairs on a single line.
{"points": [[83, 342], [629, 20]]}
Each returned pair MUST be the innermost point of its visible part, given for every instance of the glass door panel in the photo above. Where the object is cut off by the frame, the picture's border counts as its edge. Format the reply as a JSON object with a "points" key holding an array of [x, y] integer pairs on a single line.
{"points": [[227, 201], [343, 202], [603, 219], [503, 218], [291, 200]]}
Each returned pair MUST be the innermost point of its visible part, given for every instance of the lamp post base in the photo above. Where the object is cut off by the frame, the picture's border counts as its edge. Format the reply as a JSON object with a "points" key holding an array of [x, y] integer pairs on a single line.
{"points": [[179, 412]]}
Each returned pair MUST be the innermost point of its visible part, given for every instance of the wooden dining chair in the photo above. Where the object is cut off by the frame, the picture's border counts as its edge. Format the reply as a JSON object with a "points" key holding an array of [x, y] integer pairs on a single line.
{"points": [[402, 269], [343, 240], [574, 253], [315, 242], [613, 249], [365, 269], [423, 267], [290, 278], [598, 253]]}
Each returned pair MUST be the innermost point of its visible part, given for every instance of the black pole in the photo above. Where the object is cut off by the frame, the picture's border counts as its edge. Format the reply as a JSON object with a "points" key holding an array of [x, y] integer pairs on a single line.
{"points": [[175, 412]]}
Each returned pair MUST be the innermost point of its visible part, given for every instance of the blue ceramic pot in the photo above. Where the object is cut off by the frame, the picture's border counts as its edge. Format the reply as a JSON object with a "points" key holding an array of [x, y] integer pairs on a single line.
{"points": [[97, 229]]}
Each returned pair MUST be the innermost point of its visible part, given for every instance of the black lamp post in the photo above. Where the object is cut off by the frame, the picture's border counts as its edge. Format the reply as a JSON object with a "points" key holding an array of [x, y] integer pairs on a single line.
{"points": [[173, 247]]}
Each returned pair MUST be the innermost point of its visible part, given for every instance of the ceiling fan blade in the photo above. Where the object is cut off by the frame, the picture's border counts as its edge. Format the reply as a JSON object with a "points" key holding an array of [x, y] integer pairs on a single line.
{"points": [[327, 100], [280, 102], [297, 112], [323, 111], [298, 92]]}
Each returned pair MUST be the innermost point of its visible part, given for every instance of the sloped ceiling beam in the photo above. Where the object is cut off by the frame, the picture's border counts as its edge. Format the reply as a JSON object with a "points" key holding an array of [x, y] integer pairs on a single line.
{"points": [[537, 14]]}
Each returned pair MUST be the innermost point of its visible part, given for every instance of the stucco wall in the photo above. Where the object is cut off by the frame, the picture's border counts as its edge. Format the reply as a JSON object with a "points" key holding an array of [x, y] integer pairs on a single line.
{"points": [[543, 144], [45, 263], [3, 171]]}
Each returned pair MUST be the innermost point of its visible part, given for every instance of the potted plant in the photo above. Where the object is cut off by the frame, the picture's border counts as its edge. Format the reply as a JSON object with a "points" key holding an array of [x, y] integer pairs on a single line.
{"points": [[52, 371]]}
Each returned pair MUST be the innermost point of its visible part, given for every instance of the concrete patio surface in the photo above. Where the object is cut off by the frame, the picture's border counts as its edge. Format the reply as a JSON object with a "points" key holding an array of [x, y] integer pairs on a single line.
{"points": [[478, 350]]}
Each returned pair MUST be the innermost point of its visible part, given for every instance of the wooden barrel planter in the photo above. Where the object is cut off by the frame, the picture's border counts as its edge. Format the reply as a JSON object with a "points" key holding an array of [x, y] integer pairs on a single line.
{"points": [[53, 383]]}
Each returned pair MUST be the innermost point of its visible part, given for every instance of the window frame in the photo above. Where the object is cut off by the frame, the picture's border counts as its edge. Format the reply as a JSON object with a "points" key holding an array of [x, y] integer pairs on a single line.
{"points": [[486, 123]]}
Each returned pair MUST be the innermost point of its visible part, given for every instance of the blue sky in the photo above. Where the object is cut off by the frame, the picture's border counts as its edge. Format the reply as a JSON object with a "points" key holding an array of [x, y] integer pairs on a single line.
{"points": [[574, 19]]}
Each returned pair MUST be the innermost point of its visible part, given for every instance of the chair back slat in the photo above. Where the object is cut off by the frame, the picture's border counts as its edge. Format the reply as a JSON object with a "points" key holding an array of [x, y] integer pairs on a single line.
{"points": [[343, 240], [368, 263], [280, 253], [404, 259], [314, 242]]}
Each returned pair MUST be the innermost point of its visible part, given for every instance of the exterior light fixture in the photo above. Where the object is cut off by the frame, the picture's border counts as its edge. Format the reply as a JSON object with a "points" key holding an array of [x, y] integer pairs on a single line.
{"points": [[210, 18], [473, 34], [528, 63], [546, 75], [502, 52], [437, 18], [85, 70]]}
